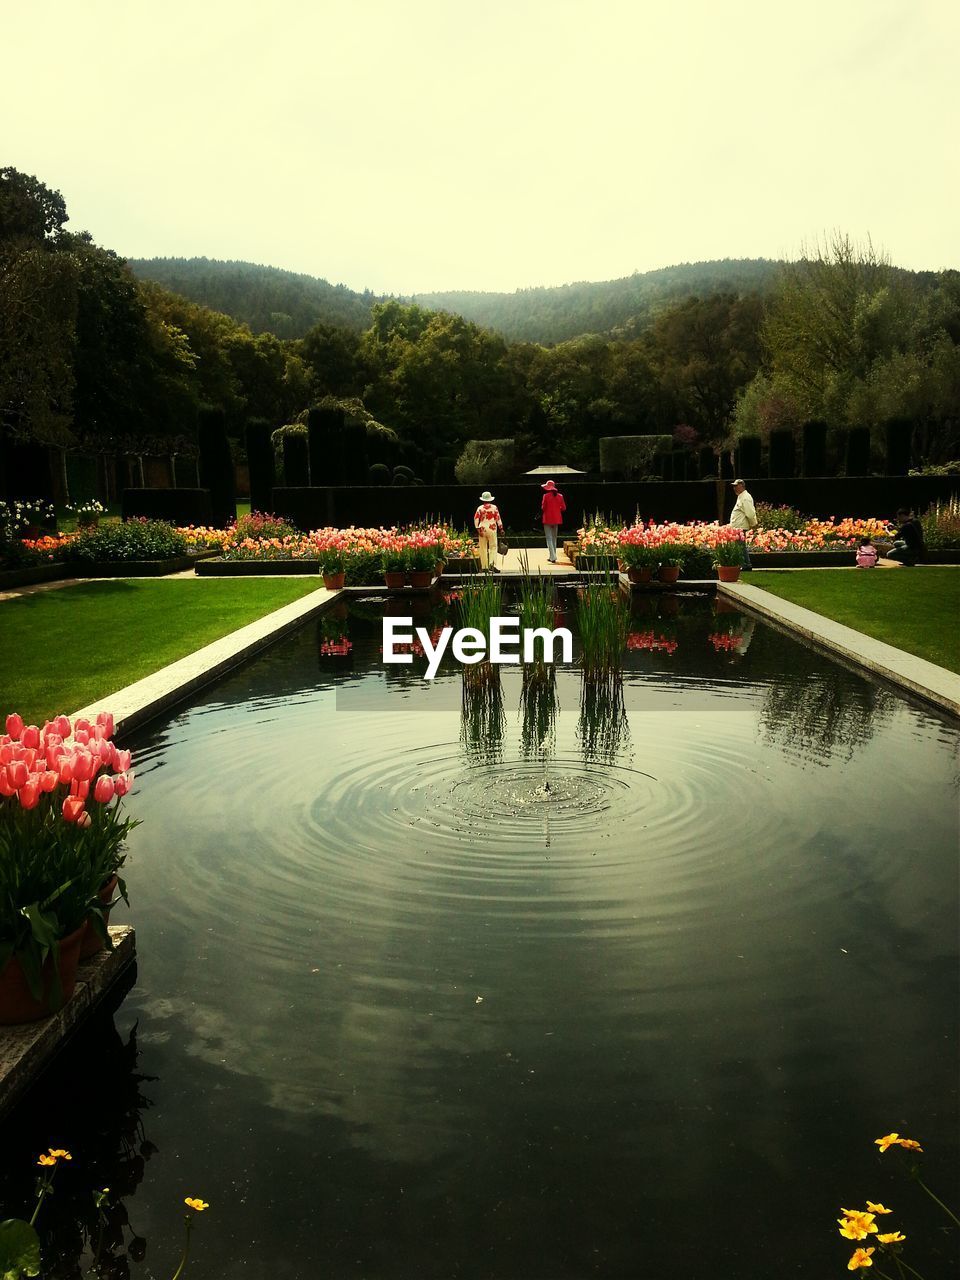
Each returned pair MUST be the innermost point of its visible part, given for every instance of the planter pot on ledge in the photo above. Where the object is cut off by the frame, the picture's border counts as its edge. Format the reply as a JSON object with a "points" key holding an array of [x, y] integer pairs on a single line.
{"points": [[728, 572], [17, 1004]]}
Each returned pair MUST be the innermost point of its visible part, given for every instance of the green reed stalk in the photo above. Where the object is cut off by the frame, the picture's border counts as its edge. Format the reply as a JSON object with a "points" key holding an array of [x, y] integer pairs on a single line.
{"points": [[603, 728], [479, 602], [603, 621]]}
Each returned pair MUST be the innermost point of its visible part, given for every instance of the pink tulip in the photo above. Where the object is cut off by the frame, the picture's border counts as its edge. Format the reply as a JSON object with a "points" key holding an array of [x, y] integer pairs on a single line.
{"points": [[30, 736], [72, 808], [6, 752], [83, 766], [105, 719], [84, 819], [62, 726], [104, 789], [5, 787], [54, 754], [80, 736], [14, 726], [121, 760], [29, 758], [105, 751], [65, 768], [48, 780], [17, 773], [81, 789], [29, 795], [121, 784]]}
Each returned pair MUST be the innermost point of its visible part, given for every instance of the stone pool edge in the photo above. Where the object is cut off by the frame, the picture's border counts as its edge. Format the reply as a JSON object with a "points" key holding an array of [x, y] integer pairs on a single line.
{"points": [[134, 705], [924, 679]]}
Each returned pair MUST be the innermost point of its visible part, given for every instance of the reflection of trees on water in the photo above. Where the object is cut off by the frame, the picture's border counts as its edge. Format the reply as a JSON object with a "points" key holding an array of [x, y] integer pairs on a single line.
{"points": [[538, 712], [822, 715], [603, 728], [90, 1103], [482, 718]]}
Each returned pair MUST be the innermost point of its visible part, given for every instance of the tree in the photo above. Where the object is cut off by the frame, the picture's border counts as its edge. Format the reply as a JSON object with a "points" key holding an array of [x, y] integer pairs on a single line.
{"points": [[30, 212]]}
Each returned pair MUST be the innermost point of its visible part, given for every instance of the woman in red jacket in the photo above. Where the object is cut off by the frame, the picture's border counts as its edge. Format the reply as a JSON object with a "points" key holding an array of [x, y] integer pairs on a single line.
{"points": [[553, 507]]}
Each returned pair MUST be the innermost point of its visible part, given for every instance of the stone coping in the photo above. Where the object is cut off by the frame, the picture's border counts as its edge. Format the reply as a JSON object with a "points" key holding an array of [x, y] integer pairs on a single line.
{"points": [[154, 694], [924, 679], [26, 1049]]}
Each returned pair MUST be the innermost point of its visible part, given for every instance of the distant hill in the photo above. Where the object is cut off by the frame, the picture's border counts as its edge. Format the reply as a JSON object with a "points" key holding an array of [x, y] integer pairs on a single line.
{"points": [[555, 314], [266, 298], [288, 304]]}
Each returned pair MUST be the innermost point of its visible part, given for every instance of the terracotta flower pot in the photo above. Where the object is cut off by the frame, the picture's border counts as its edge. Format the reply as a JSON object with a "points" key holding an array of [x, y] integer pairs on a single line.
{"points": [[728, 572], [640, 575], [17, 1005], [91, 942], [438, 569], [420, 578], [394, 579], [334, 581], [669, 572]]}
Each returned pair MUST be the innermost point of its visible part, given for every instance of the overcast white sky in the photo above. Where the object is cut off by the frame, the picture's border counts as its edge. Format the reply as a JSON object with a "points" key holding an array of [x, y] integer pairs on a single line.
{"points": [[415, 145]]}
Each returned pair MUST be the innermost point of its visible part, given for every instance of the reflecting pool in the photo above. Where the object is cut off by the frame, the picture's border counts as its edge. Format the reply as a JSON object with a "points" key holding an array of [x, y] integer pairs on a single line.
{"points": [[530, 980]]}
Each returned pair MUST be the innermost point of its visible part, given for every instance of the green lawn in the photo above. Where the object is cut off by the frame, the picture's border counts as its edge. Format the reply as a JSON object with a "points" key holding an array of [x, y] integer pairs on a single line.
{"points": [[66, 648], [915, 609]]}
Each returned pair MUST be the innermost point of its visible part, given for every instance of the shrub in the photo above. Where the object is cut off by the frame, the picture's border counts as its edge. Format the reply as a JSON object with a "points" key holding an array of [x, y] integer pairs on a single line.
{"points": [[771, 517], [379, 474], [130, 540], [481, 462]]}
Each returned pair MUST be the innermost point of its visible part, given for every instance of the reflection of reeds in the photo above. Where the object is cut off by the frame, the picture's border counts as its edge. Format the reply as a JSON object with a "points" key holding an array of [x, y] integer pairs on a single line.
{"points": [[603, 729], [603, 621], [479, 602], [482, 718], [538, 708]]}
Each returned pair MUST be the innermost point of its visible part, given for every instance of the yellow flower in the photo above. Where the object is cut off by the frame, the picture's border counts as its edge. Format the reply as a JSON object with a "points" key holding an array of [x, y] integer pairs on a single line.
{"points": [[887, 1141], [877, 1208], [198, 1205], [47, 1161], [861, 1258], [910, 1144], [891, 1237], [60, 1154], [856, 1224]]}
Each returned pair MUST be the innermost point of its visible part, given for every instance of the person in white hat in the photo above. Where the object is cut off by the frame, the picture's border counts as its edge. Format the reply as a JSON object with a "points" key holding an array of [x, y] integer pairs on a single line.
{"points": [[487, 522], [553, 507], [743, 517]]}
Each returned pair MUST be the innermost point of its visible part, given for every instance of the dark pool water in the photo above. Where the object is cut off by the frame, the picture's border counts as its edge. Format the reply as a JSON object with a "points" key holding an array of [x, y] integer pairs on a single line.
{"points": [[606, 984]]}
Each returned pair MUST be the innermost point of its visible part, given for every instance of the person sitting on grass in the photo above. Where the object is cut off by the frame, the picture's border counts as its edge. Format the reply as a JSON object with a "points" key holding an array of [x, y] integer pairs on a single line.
{"points": [[868, 555], [908, 546]]}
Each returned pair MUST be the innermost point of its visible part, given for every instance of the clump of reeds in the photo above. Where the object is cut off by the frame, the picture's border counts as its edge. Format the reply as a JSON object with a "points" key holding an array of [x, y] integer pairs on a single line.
{"points": [[537, 607], [603, 622], [479, 602]]}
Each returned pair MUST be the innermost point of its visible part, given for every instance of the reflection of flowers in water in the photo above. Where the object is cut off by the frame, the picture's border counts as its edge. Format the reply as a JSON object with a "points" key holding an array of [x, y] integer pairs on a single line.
{"points": [[725, 641], [338, 648], [652, 641]]}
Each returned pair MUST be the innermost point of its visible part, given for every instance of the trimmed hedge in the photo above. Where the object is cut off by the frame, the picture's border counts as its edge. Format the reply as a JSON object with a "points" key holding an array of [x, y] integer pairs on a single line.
{"points": [[216, 464], [260, 458]]}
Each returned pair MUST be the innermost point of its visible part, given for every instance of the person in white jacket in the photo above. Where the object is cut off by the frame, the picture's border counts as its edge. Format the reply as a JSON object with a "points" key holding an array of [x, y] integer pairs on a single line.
{"points": [[743, 517]]}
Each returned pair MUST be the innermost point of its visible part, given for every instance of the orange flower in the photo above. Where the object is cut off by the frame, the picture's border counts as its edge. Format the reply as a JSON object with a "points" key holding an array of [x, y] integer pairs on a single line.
{"points": [[877, 1208], [861, 1258], [47, 1161], [856, 1224], [891, 1237], [910, 1144], [887, 1141]]}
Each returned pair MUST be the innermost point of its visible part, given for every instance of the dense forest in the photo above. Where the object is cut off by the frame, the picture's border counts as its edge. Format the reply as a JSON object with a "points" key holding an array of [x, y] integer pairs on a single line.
{"points": [[95, 360]]}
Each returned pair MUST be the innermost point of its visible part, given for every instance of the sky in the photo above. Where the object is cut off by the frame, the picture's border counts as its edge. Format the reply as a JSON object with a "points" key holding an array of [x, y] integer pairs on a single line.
{"points": [[410, 146]]}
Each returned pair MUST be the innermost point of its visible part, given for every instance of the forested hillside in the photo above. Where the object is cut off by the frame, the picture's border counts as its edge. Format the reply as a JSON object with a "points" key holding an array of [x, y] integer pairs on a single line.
{"points": [[265, 298], [287, 304], [625, 306]]}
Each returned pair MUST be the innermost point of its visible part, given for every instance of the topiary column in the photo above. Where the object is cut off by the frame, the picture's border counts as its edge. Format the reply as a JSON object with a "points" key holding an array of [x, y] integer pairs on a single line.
{"points": [[814, 449], [325, 432], [296, 460], [783, 454], [899, 440], [216, 466], [261, 462], [858, 451], [749, 456]]}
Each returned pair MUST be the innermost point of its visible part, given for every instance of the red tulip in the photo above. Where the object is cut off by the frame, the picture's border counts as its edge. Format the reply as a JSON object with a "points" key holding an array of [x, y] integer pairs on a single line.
{"points": [[104, 789], [6, 752], [72, 808], [62, 726], [6, 789], [78, 788], [105, 720], [31, 736], [29, 794], [14, 726], [54, 754], [18, 773], [48, 780], [65, 768], [105, 751]]}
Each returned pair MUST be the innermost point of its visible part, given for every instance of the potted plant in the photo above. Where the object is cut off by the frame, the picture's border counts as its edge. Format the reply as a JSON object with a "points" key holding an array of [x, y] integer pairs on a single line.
{"points": [[61, 847], [393, 561], [671, 559], [421, 560], [333, 566], [727, 555], [640, 559]]}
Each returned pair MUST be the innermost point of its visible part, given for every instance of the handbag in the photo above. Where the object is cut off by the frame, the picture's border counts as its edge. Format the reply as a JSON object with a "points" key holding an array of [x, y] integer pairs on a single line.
{"points": [[503, 546]]}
